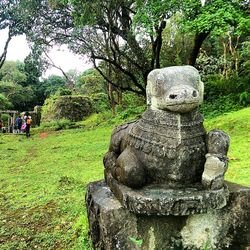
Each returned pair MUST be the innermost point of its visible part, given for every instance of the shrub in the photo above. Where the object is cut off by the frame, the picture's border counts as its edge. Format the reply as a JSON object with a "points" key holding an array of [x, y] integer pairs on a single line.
{"points": [[63, 91], [220, 105], [57, 125], [73, 108], [245, 98], [100, 102]]}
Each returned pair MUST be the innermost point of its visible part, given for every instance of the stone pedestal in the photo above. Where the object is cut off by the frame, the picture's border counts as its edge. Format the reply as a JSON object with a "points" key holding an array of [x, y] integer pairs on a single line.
{"points": [[112, 226]]}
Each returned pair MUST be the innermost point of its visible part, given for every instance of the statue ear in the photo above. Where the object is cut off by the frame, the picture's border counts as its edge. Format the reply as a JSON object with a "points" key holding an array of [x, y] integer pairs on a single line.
{"points": [[201, 91], [148, 93]]}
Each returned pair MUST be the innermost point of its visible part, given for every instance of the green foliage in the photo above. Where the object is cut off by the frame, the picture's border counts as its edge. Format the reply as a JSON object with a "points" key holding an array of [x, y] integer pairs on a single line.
{"points": [[10, 72], [245, 55], [33, 67], [137, 242], [220, 105], [177, 44], [90, 83], [20, 97], [51, 84], [217, 16], [71, 107], [63, 91], [5, 118], [245, 98], [208, 66], [150, 13], [4, 102], [100, 102], [56, 125], [107, 118], [221, 94]]}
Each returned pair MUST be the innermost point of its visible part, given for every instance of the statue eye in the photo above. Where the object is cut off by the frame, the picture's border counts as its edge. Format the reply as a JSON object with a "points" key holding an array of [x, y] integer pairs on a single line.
{"points": [[159, 80]]}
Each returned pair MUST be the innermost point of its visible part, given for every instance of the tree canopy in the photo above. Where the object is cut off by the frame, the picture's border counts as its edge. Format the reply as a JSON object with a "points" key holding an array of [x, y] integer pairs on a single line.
{"points": [[125, 40]]}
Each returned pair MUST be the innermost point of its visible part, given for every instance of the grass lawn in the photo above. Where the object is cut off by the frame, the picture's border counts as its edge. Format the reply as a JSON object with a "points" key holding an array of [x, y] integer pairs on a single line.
{"points": [[42, 187], [43, 181]]}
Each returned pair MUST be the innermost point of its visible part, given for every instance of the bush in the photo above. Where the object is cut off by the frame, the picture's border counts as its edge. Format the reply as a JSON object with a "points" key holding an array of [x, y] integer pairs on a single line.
{"points": [[220, 105], [73, 108], [57, 125], [63, 91], [130, 99], [245, 98], [100, 102], [5, 117]]}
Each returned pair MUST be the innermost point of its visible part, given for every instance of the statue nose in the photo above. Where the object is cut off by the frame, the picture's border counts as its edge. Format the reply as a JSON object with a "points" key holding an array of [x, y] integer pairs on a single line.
{"points": [[182, 94]]}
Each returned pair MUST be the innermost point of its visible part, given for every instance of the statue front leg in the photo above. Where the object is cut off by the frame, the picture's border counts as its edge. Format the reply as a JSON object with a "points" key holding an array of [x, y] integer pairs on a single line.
{"points": [[129, 170], [216, 159]]}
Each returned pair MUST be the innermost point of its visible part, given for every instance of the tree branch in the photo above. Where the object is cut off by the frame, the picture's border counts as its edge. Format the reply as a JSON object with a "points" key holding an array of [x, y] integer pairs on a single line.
{"points": [[3, 56], [114, 84], [133, 78], [51, 63]]}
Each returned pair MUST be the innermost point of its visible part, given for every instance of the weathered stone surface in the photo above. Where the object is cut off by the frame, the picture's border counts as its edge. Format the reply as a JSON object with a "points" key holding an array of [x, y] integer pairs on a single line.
{"points": [[110, 224], [168, 144], [113, 227], [165, 200]]}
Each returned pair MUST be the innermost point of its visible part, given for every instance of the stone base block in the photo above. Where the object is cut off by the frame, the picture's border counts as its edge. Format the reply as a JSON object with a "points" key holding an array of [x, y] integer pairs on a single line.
{"points": [[164, 200], [114, 227]]}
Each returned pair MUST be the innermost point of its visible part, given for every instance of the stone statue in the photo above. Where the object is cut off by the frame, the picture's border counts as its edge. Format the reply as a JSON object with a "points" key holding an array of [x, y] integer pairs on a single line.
{"points": [[164, 177], [169, 145]]}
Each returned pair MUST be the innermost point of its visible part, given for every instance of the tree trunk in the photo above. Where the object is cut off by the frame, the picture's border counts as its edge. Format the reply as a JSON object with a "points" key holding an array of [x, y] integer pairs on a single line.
{"points": [[198, 41], [225, 68], [111, 98], [3, 56]]}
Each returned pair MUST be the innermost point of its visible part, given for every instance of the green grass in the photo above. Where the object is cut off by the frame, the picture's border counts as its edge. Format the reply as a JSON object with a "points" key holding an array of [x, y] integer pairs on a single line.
{"points": [[42, 187], [43, 181], [237, 125]]}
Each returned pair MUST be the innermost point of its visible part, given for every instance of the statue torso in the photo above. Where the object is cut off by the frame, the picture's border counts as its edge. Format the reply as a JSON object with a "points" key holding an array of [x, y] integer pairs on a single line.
{"points": [[171, 146]]}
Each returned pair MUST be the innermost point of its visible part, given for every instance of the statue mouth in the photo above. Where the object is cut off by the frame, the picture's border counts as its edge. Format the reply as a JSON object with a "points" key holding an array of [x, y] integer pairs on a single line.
{"points": [[181, 103], [181, 106]]}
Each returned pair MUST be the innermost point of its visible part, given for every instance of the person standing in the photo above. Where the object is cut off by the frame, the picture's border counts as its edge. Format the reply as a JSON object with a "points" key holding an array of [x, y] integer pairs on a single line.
{"points": [[28, 122], [1, 125], [19, 123]]}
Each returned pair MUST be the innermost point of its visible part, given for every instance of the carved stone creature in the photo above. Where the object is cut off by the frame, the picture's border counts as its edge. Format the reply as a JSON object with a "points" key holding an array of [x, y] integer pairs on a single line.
{"points": [[169, 144]]}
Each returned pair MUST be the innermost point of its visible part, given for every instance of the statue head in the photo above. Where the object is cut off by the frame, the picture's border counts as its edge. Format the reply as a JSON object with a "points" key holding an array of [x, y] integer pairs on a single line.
{"points": [[177, 89]]}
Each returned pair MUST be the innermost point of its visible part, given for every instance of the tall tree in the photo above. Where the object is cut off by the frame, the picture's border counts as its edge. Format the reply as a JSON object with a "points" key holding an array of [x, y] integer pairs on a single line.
{"points": [[17, 17]]}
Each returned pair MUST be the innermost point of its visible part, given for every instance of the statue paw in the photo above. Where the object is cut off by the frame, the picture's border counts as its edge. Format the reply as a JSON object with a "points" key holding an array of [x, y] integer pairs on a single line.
{"points": [[129, 170], [214, 171]]}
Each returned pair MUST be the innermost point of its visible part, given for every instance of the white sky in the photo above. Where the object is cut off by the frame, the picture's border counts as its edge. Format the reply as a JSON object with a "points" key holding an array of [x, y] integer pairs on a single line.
{"points": [[18, 49]]}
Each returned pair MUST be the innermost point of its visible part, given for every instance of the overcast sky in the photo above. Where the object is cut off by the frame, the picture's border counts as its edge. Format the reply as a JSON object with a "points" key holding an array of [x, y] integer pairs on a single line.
{"points": [[18, 49]]}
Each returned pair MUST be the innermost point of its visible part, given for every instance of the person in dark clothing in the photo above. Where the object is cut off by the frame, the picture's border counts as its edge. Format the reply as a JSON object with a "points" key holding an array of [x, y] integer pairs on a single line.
{"points": [[19, 123], [1, 125], [28, 121]]}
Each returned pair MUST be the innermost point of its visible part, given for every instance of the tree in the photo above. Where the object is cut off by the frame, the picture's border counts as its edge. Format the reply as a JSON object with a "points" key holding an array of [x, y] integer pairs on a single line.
{"points": [[17, 16], [200, 18], [10, 72], [214, 17], [13, 86], [108, 35], [4, 102], [50, 85]]}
